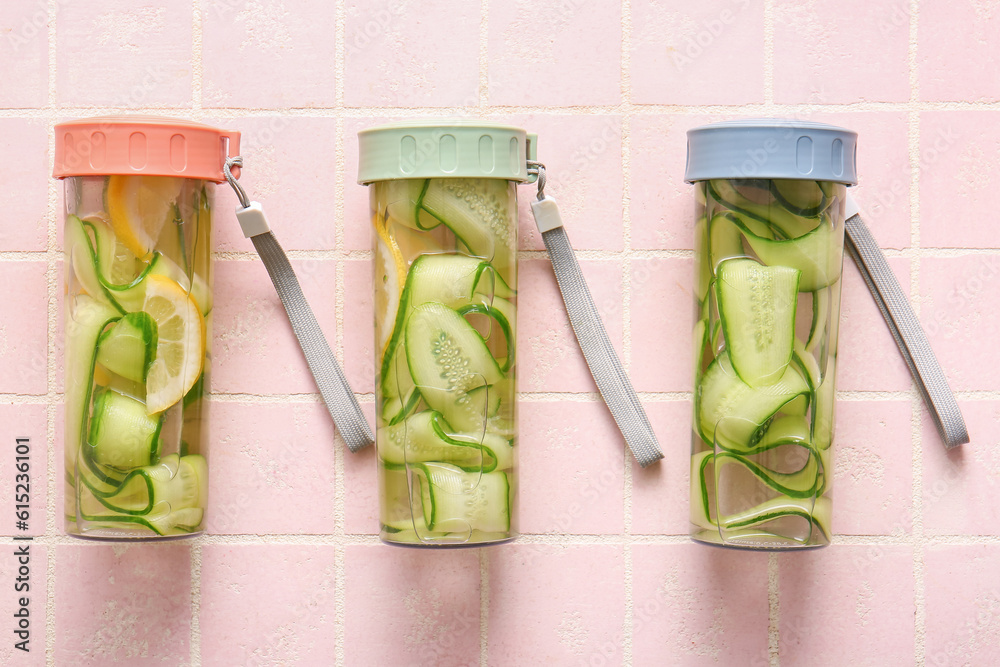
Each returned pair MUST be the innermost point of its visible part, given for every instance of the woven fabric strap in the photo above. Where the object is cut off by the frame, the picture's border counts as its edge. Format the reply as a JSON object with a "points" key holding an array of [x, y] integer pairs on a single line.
{"points": [[333, 386], [906, 329], [610, 377]]}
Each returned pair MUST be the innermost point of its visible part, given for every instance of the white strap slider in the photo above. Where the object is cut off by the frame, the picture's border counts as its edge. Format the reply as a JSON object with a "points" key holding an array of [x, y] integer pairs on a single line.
{"points": [[252, 220], [851, 207], [546, 214]]}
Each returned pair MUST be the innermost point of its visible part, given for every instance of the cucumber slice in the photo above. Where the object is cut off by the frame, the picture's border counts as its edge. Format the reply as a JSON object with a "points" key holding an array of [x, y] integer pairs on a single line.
{"points": [[782, 222], [757, 307], [455, 501], [89, 260], [817, 254], [86, 318], [453, 280], [823, 412], [181, 522], [786, 430], [756, 190], [82, 259], [700, 338], [480, 212], [806, 482], [396, 409], [402, 204], [122, 435], [807, 365], [502, 312], [812, 508], [426, 437], [180, 484], [820, 317], [167, 497], [703, 275], [396, 511], [447, 359], [805, 198], [723, 398], [725, 241], [129, 347]]}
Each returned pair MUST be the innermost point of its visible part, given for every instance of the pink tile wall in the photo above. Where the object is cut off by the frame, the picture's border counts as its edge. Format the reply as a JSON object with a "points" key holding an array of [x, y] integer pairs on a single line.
{"points": [[128, 604], [567, 623], [296, 625], [842, 606], [709, 54], [405, 605], [119, 54], [692, 606], [811, 63], [401, 55], [246, 43], [290, 571]]}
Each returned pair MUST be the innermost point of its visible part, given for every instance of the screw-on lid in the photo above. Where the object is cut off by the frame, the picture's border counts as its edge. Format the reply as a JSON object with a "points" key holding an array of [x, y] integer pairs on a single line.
{"points": [[772, 148], [444, 148], [143, 145]]}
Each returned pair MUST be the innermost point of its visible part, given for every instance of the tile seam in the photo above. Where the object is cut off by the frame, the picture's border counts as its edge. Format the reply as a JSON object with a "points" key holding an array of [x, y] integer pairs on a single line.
{"points": [[53, 313], [626, 314], [917, 529]]}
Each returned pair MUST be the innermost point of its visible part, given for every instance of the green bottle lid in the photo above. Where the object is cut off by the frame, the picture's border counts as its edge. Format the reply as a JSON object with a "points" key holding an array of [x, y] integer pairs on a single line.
{"points": [[444, 148]]}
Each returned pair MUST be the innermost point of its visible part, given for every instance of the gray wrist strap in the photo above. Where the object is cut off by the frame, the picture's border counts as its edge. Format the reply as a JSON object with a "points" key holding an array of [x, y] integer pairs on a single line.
{"points": [[906, 329], [610, 377], [333, 386], [602, 359]]}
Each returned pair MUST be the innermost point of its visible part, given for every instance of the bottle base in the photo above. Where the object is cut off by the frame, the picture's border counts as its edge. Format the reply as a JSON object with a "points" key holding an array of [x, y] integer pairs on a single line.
{"points": [[409, 539], [758, 542], [104, 535]]}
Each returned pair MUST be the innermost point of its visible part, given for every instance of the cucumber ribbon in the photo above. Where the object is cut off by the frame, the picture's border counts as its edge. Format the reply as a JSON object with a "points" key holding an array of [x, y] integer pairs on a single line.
{"points": [[609, 375], [333, 386], [905, 329]]}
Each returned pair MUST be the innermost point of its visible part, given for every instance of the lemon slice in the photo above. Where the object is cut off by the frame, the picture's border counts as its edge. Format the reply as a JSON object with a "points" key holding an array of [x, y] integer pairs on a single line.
{"points": [[180, 345], [390, 273], [139, 207]]}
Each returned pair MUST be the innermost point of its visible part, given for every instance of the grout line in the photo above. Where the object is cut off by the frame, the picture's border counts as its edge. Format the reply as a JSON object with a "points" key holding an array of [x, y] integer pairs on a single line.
{"points": [[340, 601], [773, 612], [484, 55], [26, 255], [196, 604], [918, 536], [586, 254], [627, 620], [339, 54], [484, 607], [51, 278], [917, 529], [484, 557], [626, 314], [197, 98], [769, 53], [339, 492], [551, 539], [197, 62], [527, 397], [361, 112]]}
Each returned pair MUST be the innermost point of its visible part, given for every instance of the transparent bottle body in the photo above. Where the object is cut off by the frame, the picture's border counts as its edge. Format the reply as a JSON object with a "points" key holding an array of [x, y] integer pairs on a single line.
{"points": [[769, 256], [445, 276], [137, 313]]}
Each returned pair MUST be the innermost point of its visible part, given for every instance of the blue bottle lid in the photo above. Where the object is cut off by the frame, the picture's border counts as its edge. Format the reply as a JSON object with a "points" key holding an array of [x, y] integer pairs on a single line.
{"points": [[772, 148]]}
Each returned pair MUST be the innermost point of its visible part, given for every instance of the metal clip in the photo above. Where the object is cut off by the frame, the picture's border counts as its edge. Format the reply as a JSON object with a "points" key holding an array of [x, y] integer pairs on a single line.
{"points": [[241, 194], [537, 169]]}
